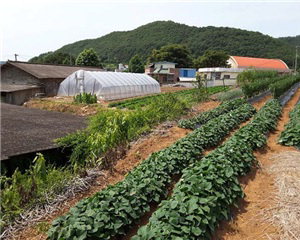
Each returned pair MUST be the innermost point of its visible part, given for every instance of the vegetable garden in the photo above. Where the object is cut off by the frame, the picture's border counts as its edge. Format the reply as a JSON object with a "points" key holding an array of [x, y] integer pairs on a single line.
{"points": [[208, 185], [112, 210]]}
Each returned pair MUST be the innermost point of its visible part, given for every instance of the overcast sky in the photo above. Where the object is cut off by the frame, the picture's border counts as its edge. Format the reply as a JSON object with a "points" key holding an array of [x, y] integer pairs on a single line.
{"points": [[29, 28]]}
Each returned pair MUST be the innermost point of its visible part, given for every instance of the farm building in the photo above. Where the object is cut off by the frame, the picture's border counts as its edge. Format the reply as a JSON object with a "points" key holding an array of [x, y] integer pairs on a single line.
{"points": [[239, 64], [108, 85], [21, 80], [187, 74], [163, 72]]}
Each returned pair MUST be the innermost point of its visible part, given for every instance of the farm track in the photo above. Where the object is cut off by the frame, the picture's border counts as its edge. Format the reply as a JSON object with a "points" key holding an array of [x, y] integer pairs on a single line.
{"points": [[249, 220]]}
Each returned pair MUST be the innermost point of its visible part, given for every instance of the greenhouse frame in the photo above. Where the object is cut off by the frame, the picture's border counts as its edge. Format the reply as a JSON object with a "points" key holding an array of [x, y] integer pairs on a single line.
{"points": [[108, 85]]}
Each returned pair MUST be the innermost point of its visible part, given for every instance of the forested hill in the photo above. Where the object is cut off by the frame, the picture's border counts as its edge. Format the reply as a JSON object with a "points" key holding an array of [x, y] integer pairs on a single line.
{"points": [[121, 46], [294, 41]]}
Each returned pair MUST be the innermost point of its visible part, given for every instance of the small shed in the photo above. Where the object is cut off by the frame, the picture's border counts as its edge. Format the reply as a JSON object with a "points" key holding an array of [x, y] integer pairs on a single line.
{"points": [[108, 85]]}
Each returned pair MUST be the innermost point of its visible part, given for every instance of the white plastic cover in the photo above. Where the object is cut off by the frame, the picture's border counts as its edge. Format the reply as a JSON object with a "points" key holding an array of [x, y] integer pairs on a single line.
{"points": [[108, 85]]}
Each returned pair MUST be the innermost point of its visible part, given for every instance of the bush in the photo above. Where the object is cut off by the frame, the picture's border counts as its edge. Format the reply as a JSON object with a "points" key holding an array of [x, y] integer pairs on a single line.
{"points": [[23, 190], [252, 75], [111, 127], [280, 87], [86, 98]]}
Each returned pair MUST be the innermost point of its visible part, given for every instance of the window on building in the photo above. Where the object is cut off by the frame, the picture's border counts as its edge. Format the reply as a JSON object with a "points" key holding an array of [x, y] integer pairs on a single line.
{"points": [[226, 76], [218, 75]]}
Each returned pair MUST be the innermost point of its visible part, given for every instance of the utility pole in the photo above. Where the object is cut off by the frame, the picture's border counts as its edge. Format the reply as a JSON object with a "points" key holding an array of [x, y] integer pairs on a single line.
{"points": [[296, 59], [16, 57]]}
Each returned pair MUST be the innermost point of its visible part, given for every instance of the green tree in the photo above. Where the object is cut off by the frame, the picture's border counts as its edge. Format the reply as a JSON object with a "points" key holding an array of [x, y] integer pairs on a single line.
{"points": [[176, 53], [88, 57], [212, 58], [136, 65], [54, 58]]}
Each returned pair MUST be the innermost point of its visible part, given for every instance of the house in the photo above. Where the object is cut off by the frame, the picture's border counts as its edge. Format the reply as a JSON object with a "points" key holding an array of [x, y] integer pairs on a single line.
{"points": [[239, 64], [22, 80], [163, 72]]}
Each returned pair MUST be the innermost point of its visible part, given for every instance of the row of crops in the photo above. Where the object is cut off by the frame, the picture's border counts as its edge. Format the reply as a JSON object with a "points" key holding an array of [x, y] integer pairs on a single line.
{"points": [[112, 211], [188, 95], [208, 188], [202, 118], [291, 134], [277, 85]]}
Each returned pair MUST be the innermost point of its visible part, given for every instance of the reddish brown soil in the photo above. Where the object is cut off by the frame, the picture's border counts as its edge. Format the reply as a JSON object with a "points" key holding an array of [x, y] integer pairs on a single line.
{"points": [[260, 103], [247, 222], [166, 89], [159, 139]]}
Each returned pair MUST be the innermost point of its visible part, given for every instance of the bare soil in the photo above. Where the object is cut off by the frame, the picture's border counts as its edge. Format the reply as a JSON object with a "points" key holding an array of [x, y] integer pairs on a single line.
{"points": [[64, 104], [259, 186], [167, 89], [160, 138]]}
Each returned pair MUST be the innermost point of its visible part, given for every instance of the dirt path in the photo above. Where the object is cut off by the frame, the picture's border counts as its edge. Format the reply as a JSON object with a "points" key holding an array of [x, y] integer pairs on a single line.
{"points": [[248, 222]]}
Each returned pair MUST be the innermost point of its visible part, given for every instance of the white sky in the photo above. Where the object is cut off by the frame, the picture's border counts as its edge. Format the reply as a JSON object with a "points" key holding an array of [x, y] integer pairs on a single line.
{"points": [[29, 28]]}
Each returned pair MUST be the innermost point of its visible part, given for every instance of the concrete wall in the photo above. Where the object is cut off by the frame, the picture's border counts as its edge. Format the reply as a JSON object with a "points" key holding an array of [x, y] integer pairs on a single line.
{"points": [[51, 86], [19, 97], [228, 82], [13, 75], [210, 75], [164, 65]]}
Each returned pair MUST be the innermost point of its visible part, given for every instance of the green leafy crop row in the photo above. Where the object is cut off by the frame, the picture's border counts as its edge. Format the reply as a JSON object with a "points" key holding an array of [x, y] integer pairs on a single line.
{"points": [[291, 134], [208, 188], [258, 86], [277, 85], [143, 101], [110, 212], [202, 118], [280, 87]]}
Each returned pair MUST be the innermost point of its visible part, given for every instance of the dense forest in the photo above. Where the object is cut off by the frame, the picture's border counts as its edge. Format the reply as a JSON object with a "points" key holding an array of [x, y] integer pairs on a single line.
{"points": [[121, 46], [294, 41]]}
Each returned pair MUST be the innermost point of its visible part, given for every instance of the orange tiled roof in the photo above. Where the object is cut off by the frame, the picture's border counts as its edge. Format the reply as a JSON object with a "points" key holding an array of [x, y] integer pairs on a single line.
{"points": [[244, 62]]}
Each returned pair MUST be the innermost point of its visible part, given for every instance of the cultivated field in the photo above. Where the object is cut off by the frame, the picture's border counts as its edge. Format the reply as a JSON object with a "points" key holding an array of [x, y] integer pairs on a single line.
{"points": [[169, 167]]}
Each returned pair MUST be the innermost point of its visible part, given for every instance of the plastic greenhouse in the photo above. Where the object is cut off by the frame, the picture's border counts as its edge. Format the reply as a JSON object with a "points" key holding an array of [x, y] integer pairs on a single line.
{"points": [[108, 85]]}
